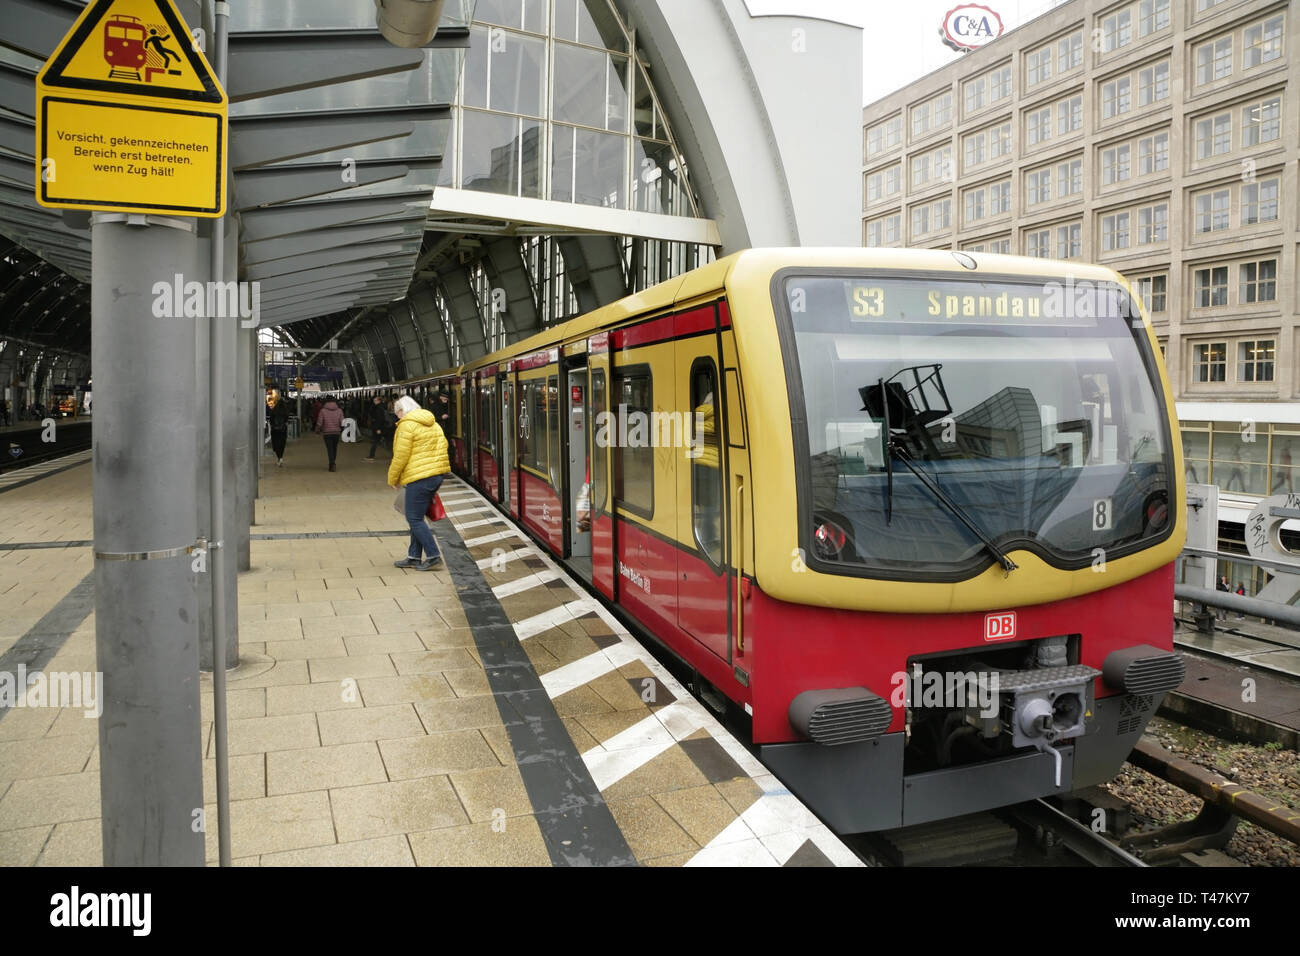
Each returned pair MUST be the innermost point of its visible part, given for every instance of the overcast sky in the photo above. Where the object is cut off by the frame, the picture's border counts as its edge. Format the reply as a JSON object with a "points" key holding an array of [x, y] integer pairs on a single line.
{"points": [[900, 39]]}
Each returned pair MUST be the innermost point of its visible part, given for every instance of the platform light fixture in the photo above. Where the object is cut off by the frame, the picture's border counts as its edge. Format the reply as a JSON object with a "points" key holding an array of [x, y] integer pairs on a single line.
{"points": [[408, 23]]}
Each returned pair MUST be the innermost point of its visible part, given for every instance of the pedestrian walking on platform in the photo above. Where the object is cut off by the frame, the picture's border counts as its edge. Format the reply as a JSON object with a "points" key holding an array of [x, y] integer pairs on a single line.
{"points": [[277, 414], [419, 465], [1222, 613], [330, 424], [375, 423]]}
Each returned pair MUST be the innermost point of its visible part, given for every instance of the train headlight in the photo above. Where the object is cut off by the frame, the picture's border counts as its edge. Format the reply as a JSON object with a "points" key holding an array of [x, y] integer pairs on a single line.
{"points": [[1143, 669], [847, 715]]}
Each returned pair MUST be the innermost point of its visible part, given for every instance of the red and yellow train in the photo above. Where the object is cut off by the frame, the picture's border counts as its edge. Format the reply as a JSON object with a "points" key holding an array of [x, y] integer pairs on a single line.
{"points": [[915, 512]]}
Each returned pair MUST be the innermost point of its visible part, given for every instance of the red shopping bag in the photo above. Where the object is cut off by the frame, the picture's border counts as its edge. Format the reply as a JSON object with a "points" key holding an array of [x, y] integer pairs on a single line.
{"points": [[436, 511]]}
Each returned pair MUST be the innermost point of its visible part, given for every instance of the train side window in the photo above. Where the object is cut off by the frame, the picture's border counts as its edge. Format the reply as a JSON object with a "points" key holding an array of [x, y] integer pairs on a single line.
{"points": [[553, 430], [601, 442], [705, 456], [634, 461]]}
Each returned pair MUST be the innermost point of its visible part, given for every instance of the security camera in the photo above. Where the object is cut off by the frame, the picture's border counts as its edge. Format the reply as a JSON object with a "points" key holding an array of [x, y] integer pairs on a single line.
{"points": [[408, 23]]}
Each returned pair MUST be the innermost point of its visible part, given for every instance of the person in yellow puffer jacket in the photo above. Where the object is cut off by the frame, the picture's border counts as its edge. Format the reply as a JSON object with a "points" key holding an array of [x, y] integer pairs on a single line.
{"points": [[419, 464]]}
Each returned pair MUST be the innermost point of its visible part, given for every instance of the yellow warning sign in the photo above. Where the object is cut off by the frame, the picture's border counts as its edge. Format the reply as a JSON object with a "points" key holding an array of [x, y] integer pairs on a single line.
{"points": [[130, 117]]}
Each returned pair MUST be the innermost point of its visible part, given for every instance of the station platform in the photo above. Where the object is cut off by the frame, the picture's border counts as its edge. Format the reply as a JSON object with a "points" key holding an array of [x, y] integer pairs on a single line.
{"points": [[488, 712]]}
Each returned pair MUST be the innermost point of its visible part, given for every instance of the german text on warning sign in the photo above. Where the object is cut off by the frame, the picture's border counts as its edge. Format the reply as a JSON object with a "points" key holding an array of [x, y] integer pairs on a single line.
{"points": [[145, 158]]}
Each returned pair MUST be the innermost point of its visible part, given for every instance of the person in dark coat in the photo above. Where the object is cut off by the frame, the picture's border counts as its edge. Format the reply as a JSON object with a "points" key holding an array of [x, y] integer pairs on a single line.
{"points": [[277, 414], [329, 423], [376, 423]]}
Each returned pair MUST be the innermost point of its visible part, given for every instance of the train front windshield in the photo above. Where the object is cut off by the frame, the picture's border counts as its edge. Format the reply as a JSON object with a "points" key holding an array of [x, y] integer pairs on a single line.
{"points": [[1034, 408]]}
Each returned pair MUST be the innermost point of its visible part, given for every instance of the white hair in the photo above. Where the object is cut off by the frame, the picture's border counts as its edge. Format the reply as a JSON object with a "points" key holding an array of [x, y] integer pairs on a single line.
{"points": [[405, 405]]}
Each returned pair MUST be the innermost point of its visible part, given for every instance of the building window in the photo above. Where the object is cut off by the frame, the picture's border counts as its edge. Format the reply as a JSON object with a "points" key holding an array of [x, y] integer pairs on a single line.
{"points": [[1261, 122], [1069, 241], [1153, 16], [1153, 224], [1212, 210], [1069, 53], [1211, 287], [975, 90], [942, 159], [1116, 165], [1115, 97], [1069, 178], [942, 214], [1001, 141], [1000, 198], [1039, 126], [1039, 243], [1255, 360], [1002, 246], [1261, 43], [1038, 187], [1069, 115], [1153, 291], [1213, 60], [1259, 202], [920, 170], [920, 220], [974, 205], [1000, 84], [1153, 84], [1153, 154], [1210, 362], [975, 149], [884, 136], [893, 180], [1213, 136], [1115, 231], [1039, 66], [1203, 5], [893, 227], [1116, 31], [1258, 282], [920, 119], [875, 186], [943, 110]]}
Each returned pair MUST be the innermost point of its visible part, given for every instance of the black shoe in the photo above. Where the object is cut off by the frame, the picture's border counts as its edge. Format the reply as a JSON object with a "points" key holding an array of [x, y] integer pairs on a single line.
{"points": [[428, 564], [331, 466], [407, 563]]}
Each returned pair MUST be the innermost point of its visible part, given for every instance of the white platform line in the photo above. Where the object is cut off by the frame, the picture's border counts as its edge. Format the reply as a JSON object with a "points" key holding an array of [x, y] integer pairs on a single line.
{"points": [[505, 556], [525, 583], [586, 669], [476, 524], [550, 618], [636, 746], [489, 538]]}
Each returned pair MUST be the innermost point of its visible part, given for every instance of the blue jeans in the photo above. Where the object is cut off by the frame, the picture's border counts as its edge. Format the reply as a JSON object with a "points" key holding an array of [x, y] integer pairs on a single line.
{"points": [[418, 495]]}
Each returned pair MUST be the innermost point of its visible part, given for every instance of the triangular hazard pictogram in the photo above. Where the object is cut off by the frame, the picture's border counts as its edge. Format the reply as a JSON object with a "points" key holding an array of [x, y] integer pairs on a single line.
{"points": [[130, 48]]}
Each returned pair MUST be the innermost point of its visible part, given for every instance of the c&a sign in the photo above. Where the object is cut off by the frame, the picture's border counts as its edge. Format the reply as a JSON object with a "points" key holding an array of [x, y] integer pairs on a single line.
{"points": [[970, 26]]}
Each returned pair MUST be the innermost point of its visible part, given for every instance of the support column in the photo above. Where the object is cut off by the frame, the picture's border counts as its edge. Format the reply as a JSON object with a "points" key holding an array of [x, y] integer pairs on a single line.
{"points": [[235, 529], [245, 461], [146, 621], [203, 465]]}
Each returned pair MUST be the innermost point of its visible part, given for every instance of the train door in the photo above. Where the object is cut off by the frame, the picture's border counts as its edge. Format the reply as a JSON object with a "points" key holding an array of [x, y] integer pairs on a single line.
{"points": [[703, 582], [604, 575], [505, 448], [471, 429], [579, 504], [509, 466]]}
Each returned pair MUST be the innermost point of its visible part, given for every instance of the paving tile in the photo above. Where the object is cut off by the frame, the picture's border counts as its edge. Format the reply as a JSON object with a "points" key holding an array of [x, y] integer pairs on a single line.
{"points": [[289, 629], [616, 691], [345, 625], [492, 792], [264, 734], [670, 770], [240, 702], [342, 668], [72, 721], [312, 698], [415, 688], [247, 776], [319, 768], [23, 723], [22, 847], [428, 662], [328, 594], [649, 830], [604, 727], [516, 841], [400, 621], [498, 739], [371, 607], [433, 754], [79, 843], [404, 806], [58, 799], [580, 701], [383, 644], [37, 757], [468, 681], [382, 851], [459, 713], [740, 793], [279, 673], [306, 609], [271, 824], [369, 723], [701, 811], [305, 648]]}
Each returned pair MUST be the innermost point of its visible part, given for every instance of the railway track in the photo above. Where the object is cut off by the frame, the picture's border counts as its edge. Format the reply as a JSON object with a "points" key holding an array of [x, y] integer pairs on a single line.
{"points": [[22, 448]]}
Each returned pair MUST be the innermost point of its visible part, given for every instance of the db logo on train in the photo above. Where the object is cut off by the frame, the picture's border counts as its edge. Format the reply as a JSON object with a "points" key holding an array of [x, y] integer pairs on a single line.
{"points": [[1000, 626]]}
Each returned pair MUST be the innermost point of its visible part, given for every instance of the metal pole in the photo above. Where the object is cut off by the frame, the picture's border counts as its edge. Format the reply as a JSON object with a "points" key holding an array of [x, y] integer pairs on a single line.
{"points": [[1283, 613], [218, 565], [145, 514]]}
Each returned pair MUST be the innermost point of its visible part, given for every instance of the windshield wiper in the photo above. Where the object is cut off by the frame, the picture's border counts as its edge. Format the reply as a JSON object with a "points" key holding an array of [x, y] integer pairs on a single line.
{"points": [[893, 447]]}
